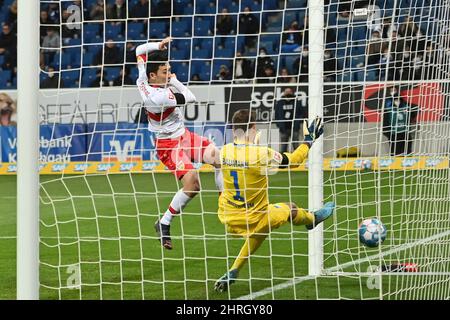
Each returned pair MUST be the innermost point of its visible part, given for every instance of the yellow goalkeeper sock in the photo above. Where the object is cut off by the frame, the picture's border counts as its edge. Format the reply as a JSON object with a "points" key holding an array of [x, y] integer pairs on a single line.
{"points": [[250, 246], [303, 217]]}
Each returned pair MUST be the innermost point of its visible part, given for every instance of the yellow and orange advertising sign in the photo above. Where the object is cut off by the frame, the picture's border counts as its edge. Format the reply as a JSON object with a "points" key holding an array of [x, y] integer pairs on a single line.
{"points": [[329, 164]]}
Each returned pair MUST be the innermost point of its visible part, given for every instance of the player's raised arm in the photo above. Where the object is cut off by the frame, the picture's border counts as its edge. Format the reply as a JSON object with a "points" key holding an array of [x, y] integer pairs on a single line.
{"points": [[141, 56], [181, 88], [311, 133]]}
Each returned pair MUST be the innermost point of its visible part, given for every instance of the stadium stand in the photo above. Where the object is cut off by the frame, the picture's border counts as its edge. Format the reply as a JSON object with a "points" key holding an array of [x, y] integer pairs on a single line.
{"points": [[196, 49]]}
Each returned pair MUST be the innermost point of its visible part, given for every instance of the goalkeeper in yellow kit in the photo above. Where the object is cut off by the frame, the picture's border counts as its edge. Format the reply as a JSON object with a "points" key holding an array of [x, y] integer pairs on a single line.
{"points": [[243, 205]]}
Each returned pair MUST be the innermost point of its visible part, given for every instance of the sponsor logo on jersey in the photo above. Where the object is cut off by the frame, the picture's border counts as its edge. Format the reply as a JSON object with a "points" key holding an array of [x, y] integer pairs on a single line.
{"points": [[127, 166], [407, 163], [140, 59], [277, 157], [123, 147], [180, 165]]}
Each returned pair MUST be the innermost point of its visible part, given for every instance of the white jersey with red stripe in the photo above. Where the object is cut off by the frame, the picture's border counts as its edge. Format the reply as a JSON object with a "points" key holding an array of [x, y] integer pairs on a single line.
{"points": [[165, 119]]}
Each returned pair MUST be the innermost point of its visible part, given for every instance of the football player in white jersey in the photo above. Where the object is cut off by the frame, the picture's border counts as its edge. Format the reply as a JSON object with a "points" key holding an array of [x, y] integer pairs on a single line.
{"points": [[176, 146]]}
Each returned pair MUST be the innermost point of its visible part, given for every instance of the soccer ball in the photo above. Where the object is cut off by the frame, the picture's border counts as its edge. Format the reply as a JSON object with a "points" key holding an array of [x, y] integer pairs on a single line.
{"points": [[366, 164], [372, 232]]}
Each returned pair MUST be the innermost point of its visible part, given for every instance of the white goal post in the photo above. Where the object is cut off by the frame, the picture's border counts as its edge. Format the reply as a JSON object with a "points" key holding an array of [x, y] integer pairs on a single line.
{"points": [[85, 227], [315, 159], [28, 150]]}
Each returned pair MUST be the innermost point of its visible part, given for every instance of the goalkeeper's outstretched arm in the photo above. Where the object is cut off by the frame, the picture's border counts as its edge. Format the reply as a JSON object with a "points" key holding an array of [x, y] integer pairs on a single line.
{"points": [[311, 133]]}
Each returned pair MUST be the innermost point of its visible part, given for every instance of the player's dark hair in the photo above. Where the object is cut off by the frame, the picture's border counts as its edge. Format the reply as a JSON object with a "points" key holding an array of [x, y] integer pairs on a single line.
{"points": [[155, 60], [243, 119]]}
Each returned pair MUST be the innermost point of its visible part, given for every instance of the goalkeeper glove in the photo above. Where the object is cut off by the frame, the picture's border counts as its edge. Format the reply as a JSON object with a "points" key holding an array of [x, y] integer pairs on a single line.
{"points": [[314, 131]]}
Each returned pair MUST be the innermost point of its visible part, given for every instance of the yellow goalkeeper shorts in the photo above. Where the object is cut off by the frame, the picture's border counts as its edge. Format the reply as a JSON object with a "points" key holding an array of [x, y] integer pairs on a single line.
{"points": [[277, 215]]}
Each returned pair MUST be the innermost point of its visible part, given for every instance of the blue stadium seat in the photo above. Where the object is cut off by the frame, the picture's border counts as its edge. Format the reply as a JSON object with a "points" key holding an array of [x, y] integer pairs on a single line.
{"points": [[359, 33], [371, 75], [232, 6], [247, 3], [88, 59], [70, 78], [181, 29], [181, 70], [180, 54], [272, 38], [270, 4], [92, 33], [240, 44], [224, 53], [296, 4], [94, 49], [6, 74], [268, 45], [179, 6], [230, 43], [134, 74], [113, 32], [205, 43], [135, 31], [344, 76], [198, 53], [340, 61], [289, 62], [201, 5], [202, 68], [359, 75], [357, 62], [196, 66], [111, 73], [202, 28], [342, 34], [74, 42], [182, 44], [205, 72], [256, 6], [188, 10], [43, 76], [75, 54], [88, 75], [358, 48], [158, 30], [289, 16], [2, 60], [5, 78]]}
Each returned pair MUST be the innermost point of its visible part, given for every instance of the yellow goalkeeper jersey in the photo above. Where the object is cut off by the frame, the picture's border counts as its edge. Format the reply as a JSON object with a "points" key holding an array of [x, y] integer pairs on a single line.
{"points": [[245, 169]]}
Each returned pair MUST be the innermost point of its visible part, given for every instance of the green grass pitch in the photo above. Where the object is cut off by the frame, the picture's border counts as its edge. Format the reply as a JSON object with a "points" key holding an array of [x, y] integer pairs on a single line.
{"points": [[101, 228]]}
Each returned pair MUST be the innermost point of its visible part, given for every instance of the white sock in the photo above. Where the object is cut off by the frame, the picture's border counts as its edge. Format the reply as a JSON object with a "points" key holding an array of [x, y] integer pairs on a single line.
{"points": [[179, 201], [218, 175]]}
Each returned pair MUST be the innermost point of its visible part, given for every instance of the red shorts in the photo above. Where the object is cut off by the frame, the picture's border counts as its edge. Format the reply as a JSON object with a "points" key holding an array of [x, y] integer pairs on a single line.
{"points": [[179, 153]]}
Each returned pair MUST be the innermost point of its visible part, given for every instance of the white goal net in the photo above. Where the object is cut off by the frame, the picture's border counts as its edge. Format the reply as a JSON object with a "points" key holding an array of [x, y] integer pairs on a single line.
{"points": [[386, 147]]}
